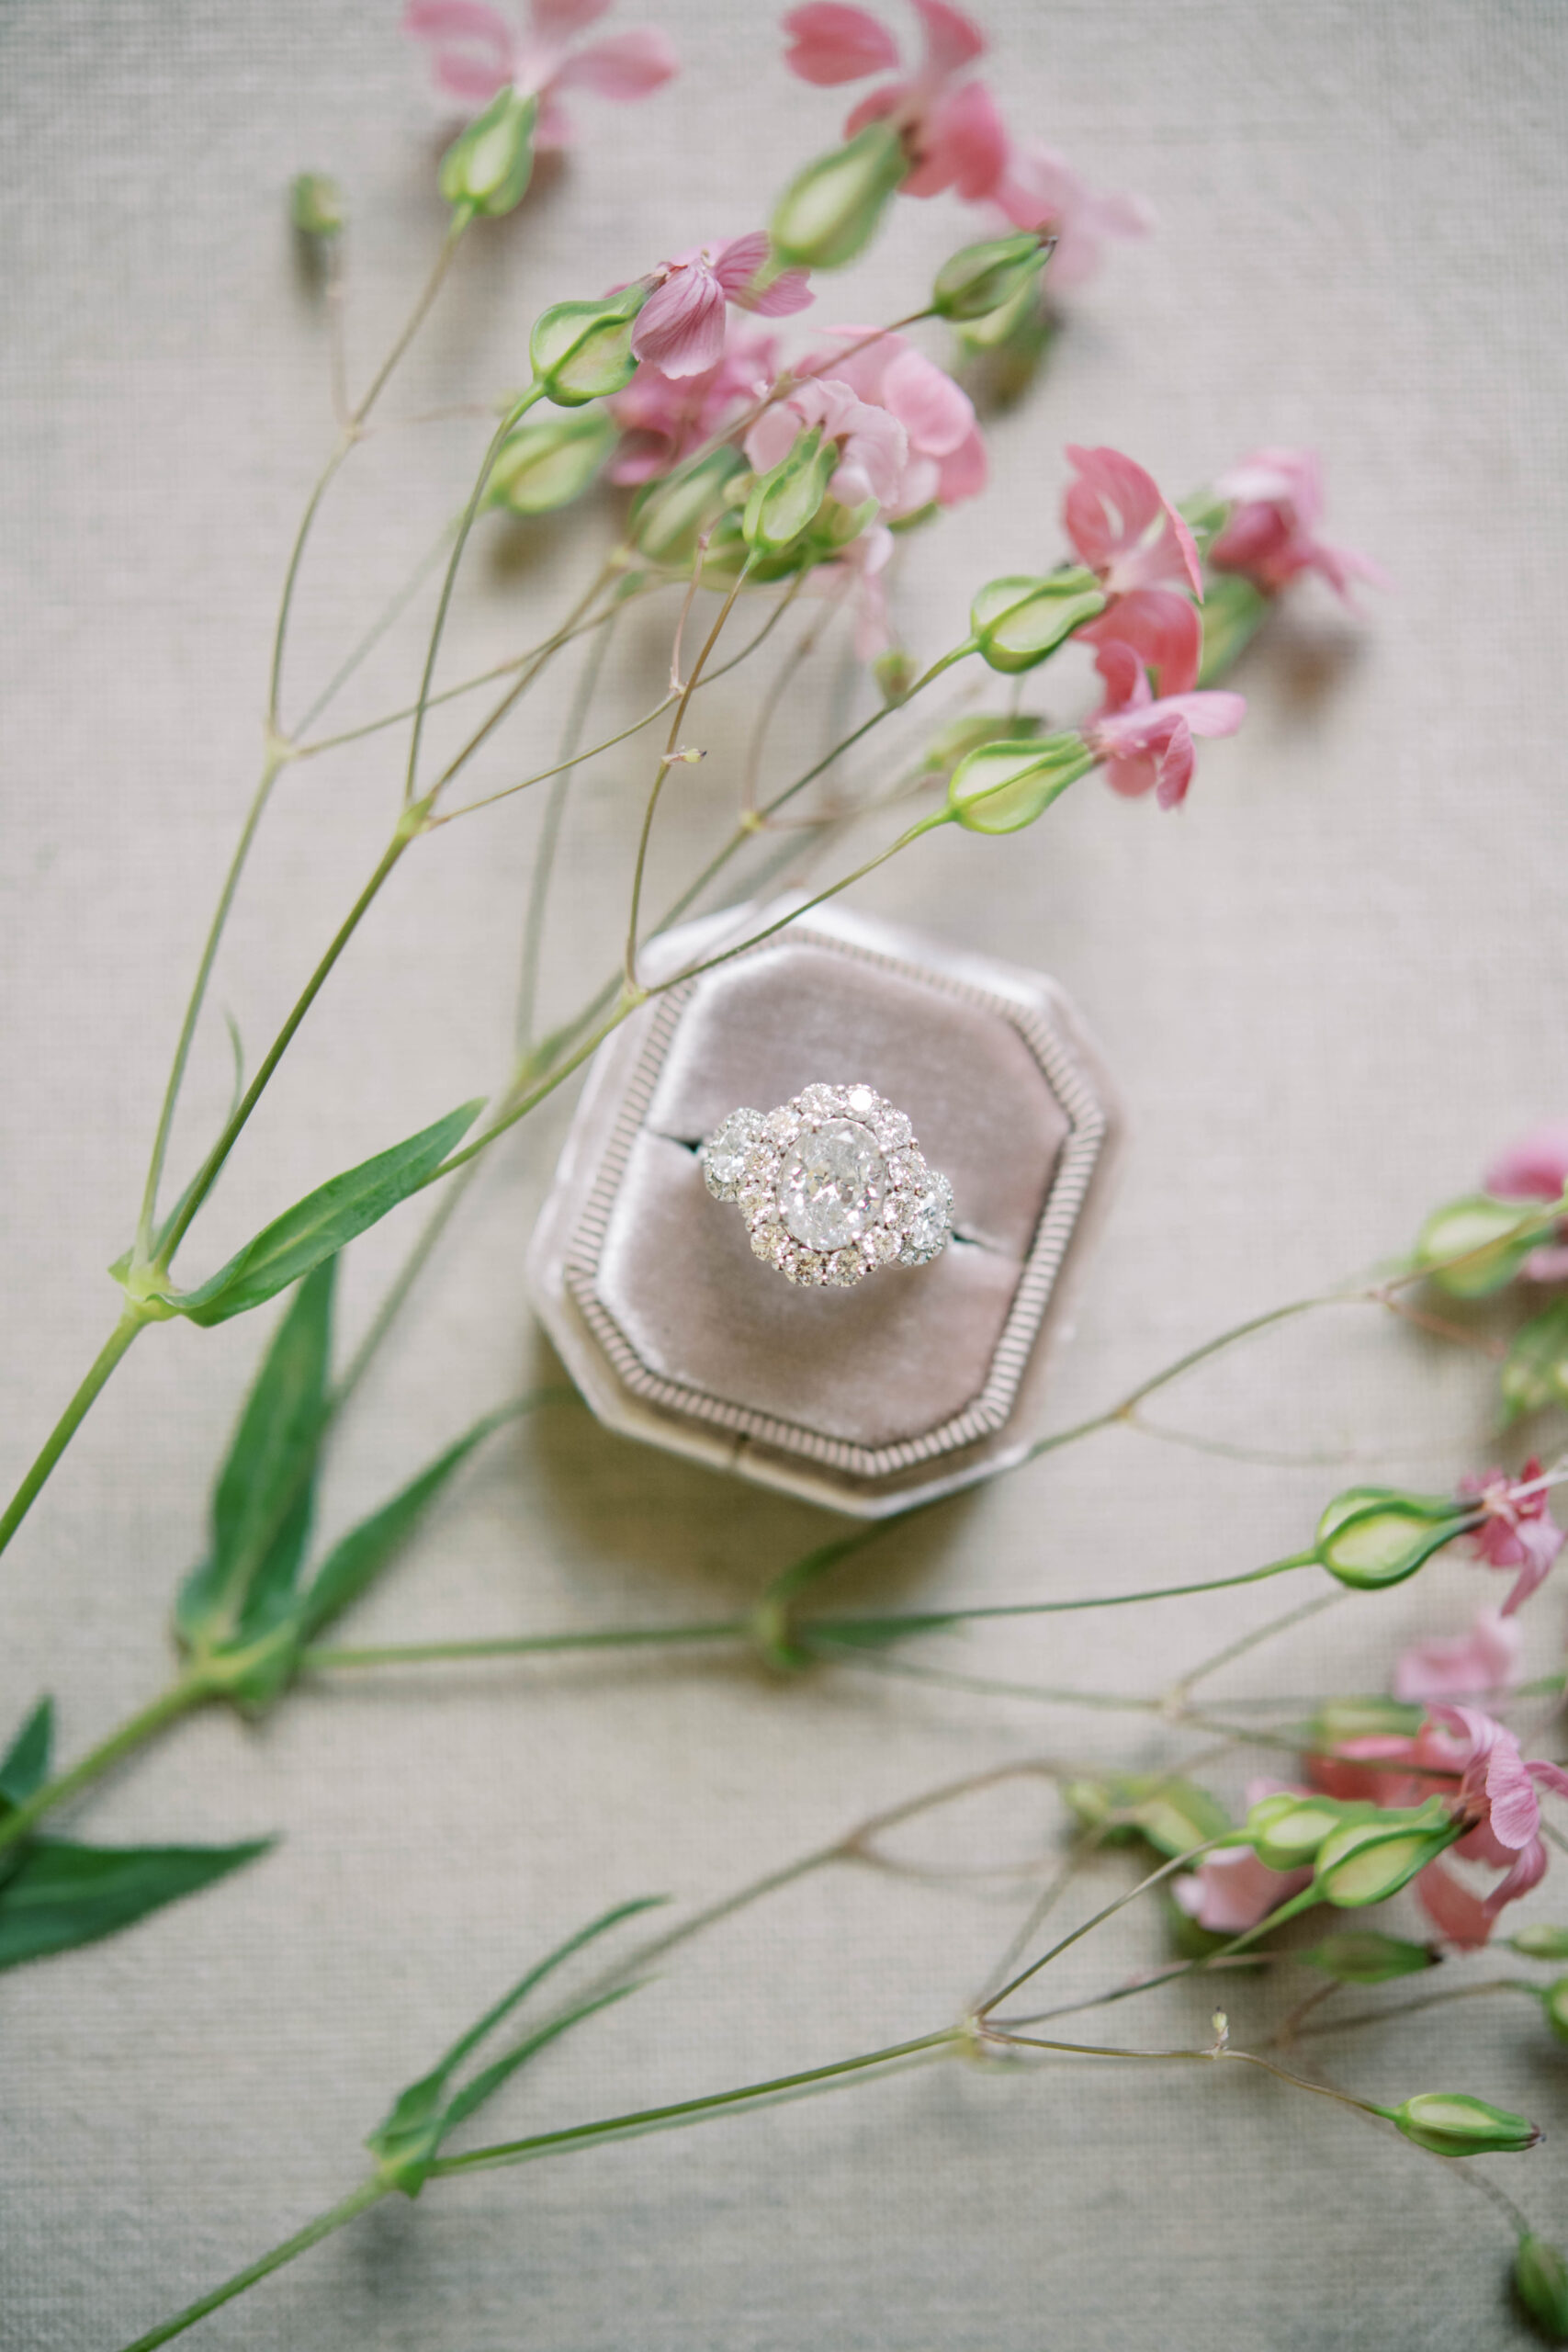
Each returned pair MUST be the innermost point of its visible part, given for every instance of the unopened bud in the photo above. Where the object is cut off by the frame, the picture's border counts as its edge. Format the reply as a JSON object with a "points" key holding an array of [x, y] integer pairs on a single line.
{"points": [[1540, 1942], [1286, 1831], [953, 742], [549, 461], [1361, 1956], [1486, 1240], [1017, 622], [1001, 787], [1366, 1861], [582, 351], [316, 206], [1177, 1815], [783, 502], [986, 277], [1234, 610], [831, 211], [895, 673], [668, 517], [1540, 2281], [487, 167], [1374, 1536], [1450, 2123], [1338, 1720], [1554, 2003]]}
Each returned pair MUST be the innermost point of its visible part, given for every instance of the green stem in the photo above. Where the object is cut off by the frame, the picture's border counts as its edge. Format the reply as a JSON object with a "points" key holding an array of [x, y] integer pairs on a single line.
{"points": [[326, 1659], [181, 1696], [1156, 1878], [558, 768], [548, 842], [70, 1421], [686, 2110], [359, 2201], [390, 613]]}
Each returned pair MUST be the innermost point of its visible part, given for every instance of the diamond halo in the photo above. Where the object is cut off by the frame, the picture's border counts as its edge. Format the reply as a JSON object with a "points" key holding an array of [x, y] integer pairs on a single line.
{"points": [[832, 1185]]}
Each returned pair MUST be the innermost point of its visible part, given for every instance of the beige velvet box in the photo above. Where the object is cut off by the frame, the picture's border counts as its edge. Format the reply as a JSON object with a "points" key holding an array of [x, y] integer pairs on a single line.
{"points": [[919, 1380]]}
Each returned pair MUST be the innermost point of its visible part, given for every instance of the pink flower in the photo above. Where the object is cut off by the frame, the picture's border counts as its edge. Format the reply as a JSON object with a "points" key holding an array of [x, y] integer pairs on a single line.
{"points": [[1518, 1530], [1496, 1798], [872, 445], [663, 419], [1041, 190], [477, 50], [951, 131], [1133, 540], [946, 455], [1148, 745], [1229, 1892], [1272, 533], [680, 328], [1536, 1168], [1462, 1666]]}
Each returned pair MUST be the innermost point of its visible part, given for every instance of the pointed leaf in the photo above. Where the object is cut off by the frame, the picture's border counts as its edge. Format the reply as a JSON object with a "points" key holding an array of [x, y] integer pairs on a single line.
{"points": [[1536, 1371], [262, 1505], [354, 1562], [474, 2095], [25, 1766], [65, 1895], [320, 1225]]}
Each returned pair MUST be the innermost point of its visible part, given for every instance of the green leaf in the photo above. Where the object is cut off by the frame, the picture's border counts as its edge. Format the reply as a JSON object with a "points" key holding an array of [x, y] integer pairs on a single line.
{"points": [[265, 1491], [65, 1895], [359, 1556], [1361, 1956], [320, 1225], [25, 1766], [473, 2095], [1233, 611], [1536, 1371]]}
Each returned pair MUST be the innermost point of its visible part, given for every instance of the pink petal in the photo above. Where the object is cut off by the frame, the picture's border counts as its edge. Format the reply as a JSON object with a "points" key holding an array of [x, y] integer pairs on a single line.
{"points": [[1161, 627], [929, 406], [626, 66], [1547, 1265], [559, 16], [830, 43], [680, 328], [771, 438], [469, 78], [963, 144], [789, 292], [1126, 680], [1231, 1891], [1551, 1776], [1527, 1871], [1110, 506], [962, 473], [1534, 1169], [1288, 477], [1453, 1910], [876, 107], [1486, 1659], [474, 79], [1210, 713], [952, 39], [737, 260]]}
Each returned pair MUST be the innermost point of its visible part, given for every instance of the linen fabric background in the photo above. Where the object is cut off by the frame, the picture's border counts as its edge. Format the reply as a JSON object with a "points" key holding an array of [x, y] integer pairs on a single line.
{"points": [[1329, 989]]}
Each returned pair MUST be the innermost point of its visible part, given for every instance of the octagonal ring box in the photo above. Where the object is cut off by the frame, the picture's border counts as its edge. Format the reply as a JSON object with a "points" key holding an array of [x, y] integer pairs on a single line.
{"points": [[918, 1381]]}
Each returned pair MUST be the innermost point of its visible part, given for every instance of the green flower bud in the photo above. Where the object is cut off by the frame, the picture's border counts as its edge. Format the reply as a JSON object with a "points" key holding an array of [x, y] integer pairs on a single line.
{"points": [[785, 501], [1177, 1815], [986, 277], [1001, 787], [950, 743], [1490, 1240], [1365, 1861], [1554, 2002], [1017, 622], [668, 517], [582, 351], [1233, 611], [488, 166], [1453, 2125], [1535, 1372], [895, 673], [1338, 1720], [316, 205], [1285, 1832], [1361, 1956], [1540, 1943], [831, 211], [1540, 2281], [549, 461], [1374, 1536]]}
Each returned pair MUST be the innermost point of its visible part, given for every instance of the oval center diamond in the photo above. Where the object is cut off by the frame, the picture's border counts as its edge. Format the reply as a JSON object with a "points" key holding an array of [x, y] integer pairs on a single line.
{"points": [[831, 1186]]}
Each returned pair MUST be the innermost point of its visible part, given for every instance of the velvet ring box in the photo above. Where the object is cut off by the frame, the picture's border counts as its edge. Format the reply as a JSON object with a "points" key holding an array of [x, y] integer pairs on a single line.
{"points": [[919, 1380]]}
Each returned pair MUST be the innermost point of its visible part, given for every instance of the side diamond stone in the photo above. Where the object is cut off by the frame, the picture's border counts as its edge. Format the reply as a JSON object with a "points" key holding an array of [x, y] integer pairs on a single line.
{"points": [[929, 1225], [726, 1151]]}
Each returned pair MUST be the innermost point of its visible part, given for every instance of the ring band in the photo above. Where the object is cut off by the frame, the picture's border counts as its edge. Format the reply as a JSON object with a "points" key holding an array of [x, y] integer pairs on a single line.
{"points": [[832, 1184]]}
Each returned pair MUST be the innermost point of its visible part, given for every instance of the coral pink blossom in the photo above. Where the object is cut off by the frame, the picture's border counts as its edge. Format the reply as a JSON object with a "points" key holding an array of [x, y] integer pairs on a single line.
{"points": [[1536, 1168], [946, 455], [1133, 540], [1518, 1530], [1462, 1666], [1373, 1770], [872, 445], [1272, 533], [951, 131], [1041, 190], [1148, 745], [680, 328], [1231, 1891], [1496, 1797], [477, 50], [663, 419]]}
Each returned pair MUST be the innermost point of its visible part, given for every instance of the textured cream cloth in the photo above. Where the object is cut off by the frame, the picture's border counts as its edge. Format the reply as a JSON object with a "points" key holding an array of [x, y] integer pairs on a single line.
{"points": [[1329, 989]]}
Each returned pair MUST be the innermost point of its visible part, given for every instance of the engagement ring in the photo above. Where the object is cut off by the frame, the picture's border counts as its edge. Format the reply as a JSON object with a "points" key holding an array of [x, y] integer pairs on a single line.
{"points": [[831, 1186]]}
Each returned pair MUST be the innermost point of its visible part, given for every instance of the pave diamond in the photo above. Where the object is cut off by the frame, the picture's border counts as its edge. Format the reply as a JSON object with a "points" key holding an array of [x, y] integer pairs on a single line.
{"points": [[929, 1225], [727, 1150], [831, 1186]]}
